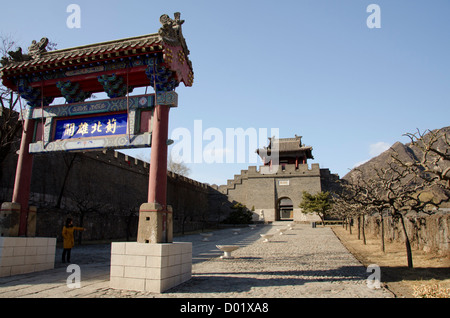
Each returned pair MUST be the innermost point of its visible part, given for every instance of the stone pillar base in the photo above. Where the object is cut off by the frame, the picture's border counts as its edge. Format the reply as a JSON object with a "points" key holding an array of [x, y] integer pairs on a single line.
{"points": [[31, 221], [150, 267], [9, 219], [21, 255], [155, 224]]}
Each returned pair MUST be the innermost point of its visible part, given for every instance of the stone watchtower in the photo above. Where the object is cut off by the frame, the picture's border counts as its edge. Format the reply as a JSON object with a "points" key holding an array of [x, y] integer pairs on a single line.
{"points": [[291, 151], [275, 191]]}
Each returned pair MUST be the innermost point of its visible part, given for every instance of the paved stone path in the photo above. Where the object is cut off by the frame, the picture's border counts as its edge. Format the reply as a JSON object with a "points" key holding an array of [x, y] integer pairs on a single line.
{"points": [[303, 262]]}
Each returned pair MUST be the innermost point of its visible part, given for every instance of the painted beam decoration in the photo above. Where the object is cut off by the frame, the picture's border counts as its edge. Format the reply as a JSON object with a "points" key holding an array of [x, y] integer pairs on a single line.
{"points": [[111, 123]]}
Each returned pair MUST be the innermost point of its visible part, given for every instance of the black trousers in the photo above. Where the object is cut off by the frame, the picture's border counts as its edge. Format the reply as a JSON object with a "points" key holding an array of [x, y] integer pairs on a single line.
{"points": [[66, 252]]}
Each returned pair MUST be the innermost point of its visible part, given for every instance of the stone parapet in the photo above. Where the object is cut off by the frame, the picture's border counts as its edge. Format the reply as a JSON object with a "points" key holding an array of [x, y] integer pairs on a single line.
{"points": [[288, 170], [303, 170]]}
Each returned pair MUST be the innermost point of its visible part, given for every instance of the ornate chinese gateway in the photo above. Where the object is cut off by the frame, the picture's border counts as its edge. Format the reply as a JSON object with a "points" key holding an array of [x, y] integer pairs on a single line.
{"points": [[159, 60]]}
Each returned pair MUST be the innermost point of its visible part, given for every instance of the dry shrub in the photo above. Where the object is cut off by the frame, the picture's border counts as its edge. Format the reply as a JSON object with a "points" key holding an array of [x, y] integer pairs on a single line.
{"points": [[431, 291]]}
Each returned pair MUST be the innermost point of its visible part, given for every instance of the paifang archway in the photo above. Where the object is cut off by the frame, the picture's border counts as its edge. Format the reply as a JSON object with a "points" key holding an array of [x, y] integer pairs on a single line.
{"points": [[117, 67]]}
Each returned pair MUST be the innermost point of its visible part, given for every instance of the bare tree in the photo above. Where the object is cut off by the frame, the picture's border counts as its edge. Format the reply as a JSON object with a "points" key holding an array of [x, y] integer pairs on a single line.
{"points": [[358, 199], [131, 214], [339, 208], [434, 165], [178, 167], [11, 104], [405, 184], [369, 193], [9, 101], [404, 192], [392, 190], [69, 159], [85, 204]]}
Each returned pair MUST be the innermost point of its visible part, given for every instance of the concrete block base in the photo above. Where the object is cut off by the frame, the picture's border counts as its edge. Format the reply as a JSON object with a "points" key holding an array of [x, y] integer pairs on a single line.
{"points": [[150, 267], [21, 255]]}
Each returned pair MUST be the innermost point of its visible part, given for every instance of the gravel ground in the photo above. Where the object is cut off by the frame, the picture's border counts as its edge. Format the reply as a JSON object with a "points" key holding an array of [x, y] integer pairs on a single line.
{"points": [[303, 262]]}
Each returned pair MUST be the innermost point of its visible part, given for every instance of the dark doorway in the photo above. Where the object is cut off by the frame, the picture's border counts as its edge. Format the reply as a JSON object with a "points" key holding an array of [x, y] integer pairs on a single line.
{"points": [[285, 210]]}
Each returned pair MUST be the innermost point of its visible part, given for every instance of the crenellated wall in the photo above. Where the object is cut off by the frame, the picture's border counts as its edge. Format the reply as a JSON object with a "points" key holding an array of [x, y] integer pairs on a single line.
{"points": [[266, 172], [106, 189], [263, 188]]}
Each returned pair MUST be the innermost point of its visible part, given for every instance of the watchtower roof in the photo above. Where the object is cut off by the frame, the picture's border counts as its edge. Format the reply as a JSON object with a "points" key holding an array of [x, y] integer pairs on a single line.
{"points": [[289, 147]]}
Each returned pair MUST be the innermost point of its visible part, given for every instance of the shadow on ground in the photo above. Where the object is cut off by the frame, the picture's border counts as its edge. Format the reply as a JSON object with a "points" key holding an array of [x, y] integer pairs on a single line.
{"points": [[219, 282]]}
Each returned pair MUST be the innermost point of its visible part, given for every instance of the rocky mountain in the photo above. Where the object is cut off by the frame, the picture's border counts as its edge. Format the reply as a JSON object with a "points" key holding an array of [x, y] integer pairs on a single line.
{"points": [[406, 153]]}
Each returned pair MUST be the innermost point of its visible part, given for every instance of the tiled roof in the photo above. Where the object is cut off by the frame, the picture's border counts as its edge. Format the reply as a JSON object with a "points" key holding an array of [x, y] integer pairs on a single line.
{"points": [[289, 146], [90, 53], [166, 48]]}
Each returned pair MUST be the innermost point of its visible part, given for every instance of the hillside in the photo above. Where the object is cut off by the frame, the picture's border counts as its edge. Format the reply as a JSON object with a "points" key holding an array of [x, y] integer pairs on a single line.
{"points": [[406, 153]]}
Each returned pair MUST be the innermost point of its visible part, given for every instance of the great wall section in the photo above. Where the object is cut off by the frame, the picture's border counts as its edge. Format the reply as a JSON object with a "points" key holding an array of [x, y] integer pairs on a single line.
{"points": [[104, 190]]}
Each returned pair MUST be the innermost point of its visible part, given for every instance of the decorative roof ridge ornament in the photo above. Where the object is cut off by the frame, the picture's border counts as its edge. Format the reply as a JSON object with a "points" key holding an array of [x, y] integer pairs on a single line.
{"points": [[34, 52], [171, 33], [36, 49]]}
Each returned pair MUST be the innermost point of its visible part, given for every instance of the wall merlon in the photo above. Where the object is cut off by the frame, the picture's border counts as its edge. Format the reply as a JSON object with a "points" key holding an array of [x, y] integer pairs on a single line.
{"points": [[222, 189], [303, 168], [118, 159], [288, 168], [180, 178], [252, 169]]}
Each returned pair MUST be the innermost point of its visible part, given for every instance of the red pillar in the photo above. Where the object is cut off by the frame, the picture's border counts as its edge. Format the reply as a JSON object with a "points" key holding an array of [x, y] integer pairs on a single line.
{"points": [[22, 182], [158, 157]]}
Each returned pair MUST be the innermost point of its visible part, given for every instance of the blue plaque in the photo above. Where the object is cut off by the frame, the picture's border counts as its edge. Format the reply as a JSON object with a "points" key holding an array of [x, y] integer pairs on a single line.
{"points": [[89, 127]]}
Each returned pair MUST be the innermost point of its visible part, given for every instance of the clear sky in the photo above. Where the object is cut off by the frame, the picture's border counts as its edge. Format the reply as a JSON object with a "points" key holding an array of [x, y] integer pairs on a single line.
{"points": [[308, 67]]}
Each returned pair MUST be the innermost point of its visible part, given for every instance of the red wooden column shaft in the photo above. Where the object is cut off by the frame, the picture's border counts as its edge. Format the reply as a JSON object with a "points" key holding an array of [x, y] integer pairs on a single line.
{"points": [[158, 157], [22, 182]]}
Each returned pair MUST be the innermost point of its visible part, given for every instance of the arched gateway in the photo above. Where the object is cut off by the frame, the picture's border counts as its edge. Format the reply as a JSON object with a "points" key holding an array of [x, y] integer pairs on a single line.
{"points": [[117, 67], [285, 209]]}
